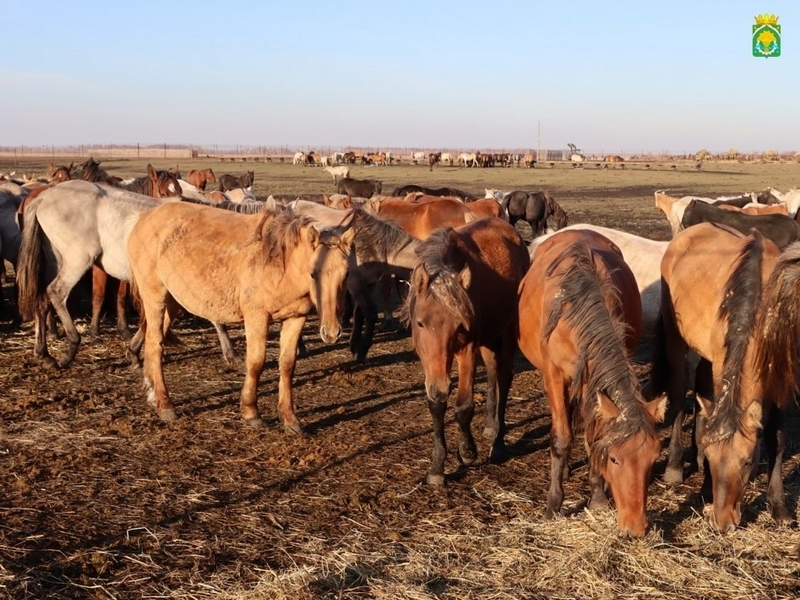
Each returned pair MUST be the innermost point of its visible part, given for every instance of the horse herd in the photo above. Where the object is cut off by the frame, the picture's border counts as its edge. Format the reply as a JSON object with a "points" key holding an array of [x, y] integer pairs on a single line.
{"points": [[576, 302]]}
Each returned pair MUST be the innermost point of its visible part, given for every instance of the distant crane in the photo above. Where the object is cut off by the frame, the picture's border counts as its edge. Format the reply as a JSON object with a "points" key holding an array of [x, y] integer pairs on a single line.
{"points": [[575, 154]]}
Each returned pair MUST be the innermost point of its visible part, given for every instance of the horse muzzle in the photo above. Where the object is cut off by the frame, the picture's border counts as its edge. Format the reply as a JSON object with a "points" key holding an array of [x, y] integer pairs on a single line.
{"points": [[330, 334]]}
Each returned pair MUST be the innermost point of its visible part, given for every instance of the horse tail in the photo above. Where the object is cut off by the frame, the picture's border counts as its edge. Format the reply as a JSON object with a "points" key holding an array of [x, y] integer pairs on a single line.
{"points": [[31, 266], [778, 328]]}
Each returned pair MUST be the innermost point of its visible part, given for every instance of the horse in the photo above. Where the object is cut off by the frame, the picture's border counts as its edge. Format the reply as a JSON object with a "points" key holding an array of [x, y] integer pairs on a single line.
{"points": [[362, 188], [419, 220], [228, 182], [10, 235], [780, 229], [733, 299], [339, 172], [90, 170], [264, 267], [69, 228], [579, 320], [156, 184], [534, 208], [442, 191], [642, 255], [434, 158], [380, 249], [200, 178], [613, 158], [462, 301]]}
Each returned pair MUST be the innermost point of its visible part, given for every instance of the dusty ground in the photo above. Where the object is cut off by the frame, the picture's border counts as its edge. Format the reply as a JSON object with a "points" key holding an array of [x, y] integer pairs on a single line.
{"points": [[99, 499]]}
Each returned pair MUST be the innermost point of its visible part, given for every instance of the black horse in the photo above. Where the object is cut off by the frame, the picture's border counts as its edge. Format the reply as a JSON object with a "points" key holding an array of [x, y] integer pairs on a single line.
{"points": [[534, 208], [231, 182]]}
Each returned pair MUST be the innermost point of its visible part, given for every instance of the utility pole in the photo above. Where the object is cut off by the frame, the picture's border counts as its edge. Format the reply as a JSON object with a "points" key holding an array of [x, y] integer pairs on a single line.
{"points": [[538, 141]]}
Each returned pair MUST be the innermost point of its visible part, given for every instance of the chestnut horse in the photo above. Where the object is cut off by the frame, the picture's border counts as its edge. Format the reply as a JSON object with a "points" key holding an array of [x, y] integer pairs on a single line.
{"points": [[580, 318], [200, 178], [463, 301], [228, 268], [735, 300], [420, 219]]}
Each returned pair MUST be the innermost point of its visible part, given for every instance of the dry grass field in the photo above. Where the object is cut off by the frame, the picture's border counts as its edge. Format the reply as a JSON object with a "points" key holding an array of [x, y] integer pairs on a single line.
{"points": [[99, 499]]}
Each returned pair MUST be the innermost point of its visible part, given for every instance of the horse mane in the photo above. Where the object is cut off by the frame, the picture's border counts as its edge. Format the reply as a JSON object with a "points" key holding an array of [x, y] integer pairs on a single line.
{"points": [[443, 281], [600, 337], [777, 322], [375, 233], [742, 298], [92, 171], [279, 232]]}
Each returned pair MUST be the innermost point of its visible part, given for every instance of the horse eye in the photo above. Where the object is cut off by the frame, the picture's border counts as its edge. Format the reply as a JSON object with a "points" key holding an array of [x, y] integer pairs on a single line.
{"points": [[613, 460], [420, 325]]}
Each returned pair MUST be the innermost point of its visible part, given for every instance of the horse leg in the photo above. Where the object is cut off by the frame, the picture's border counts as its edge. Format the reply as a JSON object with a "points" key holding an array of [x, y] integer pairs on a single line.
{"points": [[228, 353], [560, 438], [388, 322], [43, 315], [437, 409], [775, 441], [703, 387], [290, 335], [256, 328], [99, 282], [499, 374], [155, 386], [58, 292], [366, 313], [676, 350], [122, 310], [464, 408]]}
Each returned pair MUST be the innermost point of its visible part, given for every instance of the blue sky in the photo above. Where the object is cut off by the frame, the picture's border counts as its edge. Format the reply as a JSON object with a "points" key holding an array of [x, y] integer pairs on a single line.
{"points": [[617, 77]]}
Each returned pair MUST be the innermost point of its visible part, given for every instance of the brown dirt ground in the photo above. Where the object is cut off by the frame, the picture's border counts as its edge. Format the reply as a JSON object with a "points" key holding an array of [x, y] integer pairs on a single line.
{"points": [[100, 499]]}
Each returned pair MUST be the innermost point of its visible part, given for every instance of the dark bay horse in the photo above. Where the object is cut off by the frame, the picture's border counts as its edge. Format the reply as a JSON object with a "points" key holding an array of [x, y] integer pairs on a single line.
{"points": [[359, 188], [231, 182], [534, 208], [228, 268], [463, 302], [579, 320], [735, 301], [442, 191], [780, 229]]}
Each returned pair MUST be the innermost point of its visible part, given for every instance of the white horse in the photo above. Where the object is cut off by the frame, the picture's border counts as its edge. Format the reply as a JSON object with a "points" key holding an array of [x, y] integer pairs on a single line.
{"points": [[69, 228], [446, 158], [468, 159], [643, 256], [299, 158], [338, 172]]}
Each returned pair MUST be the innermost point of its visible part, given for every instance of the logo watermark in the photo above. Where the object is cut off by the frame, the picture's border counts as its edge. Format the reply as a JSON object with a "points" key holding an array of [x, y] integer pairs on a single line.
{"points": [[766, 36]]}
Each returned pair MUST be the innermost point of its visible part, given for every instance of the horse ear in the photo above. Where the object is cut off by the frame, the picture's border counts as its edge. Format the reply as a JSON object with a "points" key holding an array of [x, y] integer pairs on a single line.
{"points": [[69, 168], [657, 408], [607, 409], [151, 172], [313, 236], [706, 405], [465, 277], [326, 199], [420, 279], [752, 416], [346, 239]]}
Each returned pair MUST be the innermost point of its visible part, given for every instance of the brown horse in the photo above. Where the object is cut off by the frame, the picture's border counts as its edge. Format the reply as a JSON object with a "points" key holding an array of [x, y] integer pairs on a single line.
{"points": [[156, 184], [483, 207], [463, 301], [200, 178], [228, 268], [735, 301], [434, 158], [420, 219], [580, 318]]}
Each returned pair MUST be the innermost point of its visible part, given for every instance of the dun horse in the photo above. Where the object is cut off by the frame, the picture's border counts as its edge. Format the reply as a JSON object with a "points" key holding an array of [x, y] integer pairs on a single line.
{"points": [[229, 268], [580, 318], [735, 301], [461, 303]]}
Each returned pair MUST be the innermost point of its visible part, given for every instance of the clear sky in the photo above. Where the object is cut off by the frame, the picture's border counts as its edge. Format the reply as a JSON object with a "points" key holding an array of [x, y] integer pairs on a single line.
{"points": [[610, 76]]}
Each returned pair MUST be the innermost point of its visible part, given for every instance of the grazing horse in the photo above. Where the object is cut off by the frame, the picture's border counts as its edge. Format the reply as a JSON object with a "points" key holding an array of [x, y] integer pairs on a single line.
{"points": [[580, 318], [780, 229], [338, 173], [463, 301], [69, 228], [735, 301], [200, 178], [231, 182], [419, 220], [613, 158], [534, 208], [442, 191], [263, 267], [361, 188]]}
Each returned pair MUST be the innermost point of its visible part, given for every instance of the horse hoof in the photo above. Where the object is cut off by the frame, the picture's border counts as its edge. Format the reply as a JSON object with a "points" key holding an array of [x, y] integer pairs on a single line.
{"points": [[64, 362], [489, 433], [435, 479], [673, 476], [467, 455], [293, 428], [125, 335], [781, 515], [255, 422], [49, 362], [168, 416]]}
